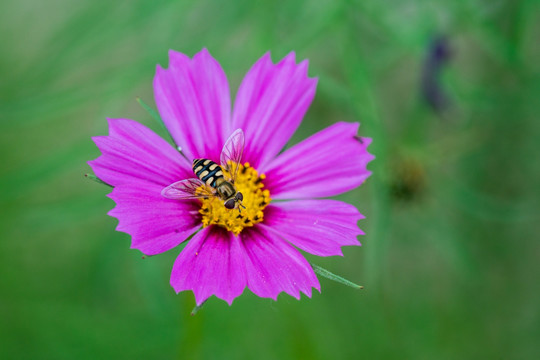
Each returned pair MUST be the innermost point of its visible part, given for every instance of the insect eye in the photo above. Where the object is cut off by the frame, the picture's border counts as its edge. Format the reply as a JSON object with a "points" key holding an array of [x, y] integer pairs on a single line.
{"points": [[239, 197], [229, 204]]}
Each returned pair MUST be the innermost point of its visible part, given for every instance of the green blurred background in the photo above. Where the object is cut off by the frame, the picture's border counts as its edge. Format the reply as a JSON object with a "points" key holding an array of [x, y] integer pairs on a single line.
{"points": [[450, 259]]}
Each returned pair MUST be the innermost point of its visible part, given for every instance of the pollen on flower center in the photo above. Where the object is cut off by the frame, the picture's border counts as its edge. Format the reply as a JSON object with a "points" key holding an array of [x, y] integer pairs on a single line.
{"points": [[250, 184]]}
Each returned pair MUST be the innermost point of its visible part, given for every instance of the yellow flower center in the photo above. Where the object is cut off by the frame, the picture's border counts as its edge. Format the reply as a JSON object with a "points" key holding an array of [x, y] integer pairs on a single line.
{"points": [[250, 184]]}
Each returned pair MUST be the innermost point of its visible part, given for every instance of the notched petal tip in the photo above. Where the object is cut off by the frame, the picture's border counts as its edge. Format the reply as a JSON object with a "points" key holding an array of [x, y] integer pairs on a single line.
{"points": [[365, 142], [210, 264], [298, 294], [270, 104], [287, 173], [98, 138], [201, 300], [116, 125], [111, 121], [289, 58], [359, 139], [204, 54], [177, 56], [303, 67], [193, 100], [159, 73], [319, 227], [273, 266], [265, 60]]}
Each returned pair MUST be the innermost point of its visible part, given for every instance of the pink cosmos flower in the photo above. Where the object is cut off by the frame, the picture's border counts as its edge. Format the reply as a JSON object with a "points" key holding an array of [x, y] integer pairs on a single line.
{"points": [[259, 249]]}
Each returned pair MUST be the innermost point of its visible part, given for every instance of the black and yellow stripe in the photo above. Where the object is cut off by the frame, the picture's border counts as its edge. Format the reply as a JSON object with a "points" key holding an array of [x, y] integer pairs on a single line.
{"points": [[208, 171]]}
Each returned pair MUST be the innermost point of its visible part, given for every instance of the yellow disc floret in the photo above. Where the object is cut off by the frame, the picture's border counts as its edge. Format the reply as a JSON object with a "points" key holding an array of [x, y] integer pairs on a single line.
{"points": [[250, 184]]}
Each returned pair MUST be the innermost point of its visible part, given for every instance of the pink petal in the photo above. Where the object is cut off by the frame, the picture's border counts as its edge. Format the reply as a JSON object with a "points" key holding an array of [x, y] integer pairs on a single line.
{"points": [[320, 227], [211, 264], [133, 153], [156, 224], [328, 163], [193, 98], [270, 104], [215, 262], [273, 266]]}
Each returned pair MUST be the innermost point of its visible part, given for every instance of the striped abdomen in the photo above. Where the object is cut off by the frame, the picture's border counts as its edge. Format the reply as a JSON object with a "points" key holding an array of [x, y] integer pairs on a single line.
{"points": [[208, 171]]}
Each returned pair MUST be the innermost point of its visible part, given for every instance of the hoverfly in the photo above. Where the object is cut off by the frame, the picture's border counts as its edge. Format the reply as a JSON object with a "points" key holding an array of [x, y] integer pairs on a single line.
{"points": [[211, 180]]}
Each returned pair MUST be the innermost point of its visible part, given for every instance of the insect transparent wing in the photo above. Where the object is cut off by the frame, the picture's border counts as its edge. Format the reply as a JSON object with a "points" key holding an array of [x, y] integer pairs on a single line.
{"points": [[232, 152], [187, 189]]}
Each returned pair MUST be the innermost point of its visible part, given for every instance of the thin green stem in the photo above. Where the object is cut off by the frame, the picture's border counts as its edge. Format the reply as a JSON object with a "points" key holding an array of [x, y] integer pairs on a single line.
{"points": [[197, 308], [155, 115], [96, 179], [329, 275]]}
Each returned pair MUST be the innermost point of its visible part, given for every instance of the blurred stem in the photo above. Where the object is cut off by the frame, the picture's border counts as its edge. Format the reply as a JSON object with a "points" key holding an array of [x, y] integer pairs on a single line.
{"points": [[364, 105], [192, 339], [416, 126], [190, 344]]}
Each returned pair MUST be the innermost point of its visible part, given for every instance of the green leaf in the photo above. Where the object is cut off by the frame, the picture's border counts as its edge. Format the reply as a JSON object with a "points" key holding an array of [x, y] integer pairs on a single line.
{"points": [[154, 114], [327, 274], [96, 179]]}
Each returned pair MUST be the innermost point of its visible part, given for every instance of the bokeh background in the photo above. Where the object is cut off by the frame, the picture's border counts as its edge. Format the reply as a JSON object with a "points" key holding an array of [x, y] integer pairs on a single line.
{"points": [[448, 90]]}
